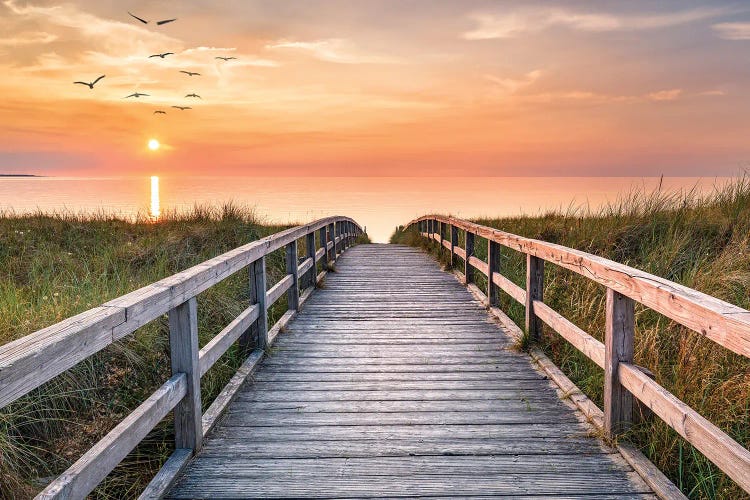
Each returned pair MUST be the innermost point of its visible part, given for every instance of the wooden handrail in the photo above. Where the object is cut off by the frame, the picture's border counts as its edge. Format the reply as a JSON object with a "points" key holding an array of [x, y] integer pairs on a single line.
{"points": [[726, 324], [30, 361]]}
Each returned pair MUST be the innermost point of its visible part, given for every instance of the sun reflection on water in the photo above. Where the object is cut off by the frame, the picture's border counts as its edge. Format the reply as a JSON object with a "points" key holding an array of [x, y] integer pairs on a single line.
{"points": [[155, 210]]}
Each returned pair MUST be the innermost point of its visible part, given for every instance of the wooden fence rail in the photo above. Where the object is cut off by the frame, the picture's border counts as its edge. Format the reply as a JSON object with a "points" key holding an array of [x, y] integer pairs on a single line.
{"points": [[29, 362], [724, 323]]}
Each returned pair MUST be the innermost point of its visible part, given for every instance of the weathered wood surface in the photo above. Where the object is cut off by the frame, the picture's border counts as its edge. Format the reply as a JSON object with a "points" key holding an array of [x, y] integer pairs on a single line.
{"points": [[393, 381], [726, 324]]}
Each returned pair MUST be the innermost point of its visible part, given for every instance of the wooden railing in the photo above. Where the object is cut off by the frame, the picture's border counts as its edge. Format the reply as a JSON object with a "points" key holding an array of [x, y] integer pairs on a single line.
{"points": [[722, 322], [29, 362]]}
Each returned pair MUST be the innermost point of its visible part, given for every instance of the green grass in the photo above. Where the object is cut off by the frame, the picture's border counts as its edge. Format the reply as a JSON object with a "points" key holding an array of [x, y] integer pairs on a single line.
{"points": [[54, 266], [701, 241]]}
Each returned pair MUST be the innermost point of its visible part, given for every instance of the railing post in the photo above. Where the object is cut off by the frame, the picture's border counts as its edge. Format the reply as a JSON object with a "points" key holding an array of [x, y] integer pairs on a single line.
{"points": [[258, 296], [468, 269], [183, 346], [618, 348], [441, 227], [493, 266], [454, 244], [534, 291], [292, 295], [310, 243], [331, 239], [323, 244]]}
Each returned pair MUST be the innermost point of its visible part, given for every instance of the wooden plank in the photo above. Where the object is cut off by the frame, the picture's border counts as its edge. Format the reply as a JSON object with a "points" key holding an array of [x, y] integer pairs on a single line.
{"points": [[218, 345], [165, 478], [479, 265], [30, 361], [716, 445], [493, 268], [229, 392], [724, 323], [183, 344], [534, 292], [618, 348], [515, 291], [292, 270], [588, 345], [304, 268], [88, 471], [276, 291]]}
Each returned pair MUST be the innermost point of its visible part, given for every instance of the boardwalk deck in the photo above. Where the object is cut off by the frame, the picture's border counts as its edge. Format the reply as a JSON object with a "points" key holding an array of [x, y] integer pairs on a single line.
{"points": [[393, 381]]}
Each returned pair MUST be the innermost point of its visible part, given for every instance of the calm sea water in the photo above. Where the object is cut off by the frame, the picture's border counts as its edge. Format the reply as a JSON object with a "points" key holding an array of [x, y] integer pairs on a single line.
{"points": [[377, 202]]}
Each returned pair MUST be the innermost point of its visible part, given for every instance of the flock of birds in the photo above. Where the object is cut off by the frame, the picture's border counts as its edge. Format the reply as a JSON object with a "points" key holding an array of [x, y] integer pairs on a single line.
{"points": [[137, 94]]}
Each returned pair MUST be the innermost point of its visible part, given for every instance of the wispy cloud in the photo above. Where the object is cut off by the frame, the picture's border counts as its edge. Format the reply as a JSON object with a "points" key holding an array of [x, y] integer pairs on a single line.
{"points": [[513, 85], [28, 38], [531, 20], [732, 31], [335, 50], [665, 95]]}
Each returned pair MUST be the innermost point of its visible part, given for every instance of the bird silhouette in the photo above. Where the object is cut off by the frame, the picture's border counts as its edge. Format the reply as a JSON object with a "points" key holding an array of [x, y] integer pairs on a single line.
{"points": [[135, 94], [160, 112], [182, 108], [91, 84], [190, 73], [225, 58], [159, 23], [162, 55], [194, 95]]}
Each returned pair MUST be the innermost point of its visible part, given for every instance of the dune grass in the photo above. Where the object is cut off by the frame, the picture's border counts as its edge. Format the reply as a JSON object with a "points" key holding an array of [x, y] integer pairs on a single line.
{"points": [[701, 241], [55, 266]]}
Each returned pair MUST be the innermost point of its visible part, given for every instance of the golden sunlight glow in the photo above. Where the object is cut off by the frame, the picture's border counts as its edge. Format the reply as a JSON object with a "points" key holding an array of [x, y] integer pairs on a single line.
{"points": [[155, 204], [153, 145]]}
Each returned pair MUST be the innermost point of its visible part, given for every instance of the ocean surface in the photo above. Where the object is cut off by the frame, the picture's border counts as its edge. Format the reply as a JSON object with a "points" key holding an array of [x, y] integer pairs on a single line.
{"points": [[379, 203]]}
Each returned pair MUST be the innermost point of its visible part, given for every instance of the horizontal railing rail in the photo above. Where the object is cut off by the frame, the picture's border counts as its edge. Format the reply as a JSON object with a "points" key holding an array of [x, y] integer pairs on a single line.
{"points": [[29, 362], [726, 324]]}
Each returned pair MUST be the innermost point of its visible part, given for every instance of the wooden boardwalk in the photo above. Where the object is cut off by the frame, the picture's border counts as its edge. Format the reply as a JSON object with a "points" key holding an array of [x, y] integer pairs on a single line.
{"points": [[394, 382]]}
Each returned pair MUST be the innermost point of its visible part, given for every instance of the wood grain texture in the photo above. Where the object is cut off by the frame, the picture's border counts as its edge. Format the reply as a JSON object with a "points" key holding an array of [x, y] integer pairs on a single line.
{"points": [[86, 473], [27, 363], [392, 381], [183, 346], [726, 324], [618, 348]]}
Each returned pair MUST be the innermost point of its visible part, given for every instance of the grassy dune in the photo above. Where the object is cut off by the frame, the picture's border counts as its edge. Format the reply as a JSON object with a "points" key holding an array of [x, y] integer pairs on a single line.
{"points": [[52, 267], [699, 241]]}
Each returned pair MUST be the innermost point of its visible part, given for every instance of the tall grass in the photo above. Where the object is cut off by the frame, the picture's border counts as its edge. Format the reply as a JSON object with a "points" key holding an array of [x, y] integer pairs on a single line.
{"points": [[699, 240], [55, 266]]}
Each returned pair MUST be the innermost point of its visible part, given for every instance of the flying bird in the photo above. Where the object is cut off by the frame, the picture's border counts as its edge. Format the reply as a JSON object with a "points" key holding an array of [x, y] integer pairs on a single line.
{"points": [[190, 73], [182, 108], [160, 112], [194, 95], [162, 55], [159, 23], [225, 58], [91, 84], [135, 94]]}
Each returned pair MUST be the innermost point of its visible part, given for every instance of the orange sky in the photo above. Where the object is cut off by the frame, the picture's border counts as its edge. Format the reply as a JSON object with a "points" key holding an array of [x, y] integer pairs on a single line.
{"points": [[380, 87]]}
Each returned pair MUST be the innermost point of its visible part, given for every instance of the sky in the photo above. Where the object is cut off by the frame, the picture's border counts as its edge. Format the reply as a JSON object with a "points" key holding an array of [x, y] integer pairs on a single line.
{"points": [[376, 88]]}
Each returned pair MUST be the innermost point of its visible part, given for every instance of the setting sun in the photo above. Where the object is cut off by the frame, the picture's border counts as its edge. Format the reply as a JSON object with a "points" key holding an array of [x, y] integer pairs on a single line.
{"points": [[153, 144]]}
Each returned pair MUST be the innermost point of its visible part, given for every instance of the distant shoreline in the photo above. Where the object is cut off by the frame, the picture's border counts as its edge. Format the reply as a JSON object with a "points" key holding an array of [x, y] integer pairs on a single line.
{"points": [[20, 175]]}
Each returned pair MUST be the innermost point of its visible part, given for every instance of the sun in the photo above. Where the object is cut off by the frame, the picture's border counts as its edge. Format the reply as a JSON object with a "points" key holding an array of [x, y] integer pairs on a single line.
{"points": [[153, 144]]}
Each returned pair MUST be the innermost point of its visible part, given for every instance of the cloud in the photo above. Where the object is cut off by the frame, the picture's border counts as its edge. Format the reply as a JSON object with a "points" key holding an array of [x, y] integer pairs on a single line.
{"points": [[532, 20], [512, 85], [665, 95], [713, 92], [335, 50], [28, 38], [732, 31]]}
